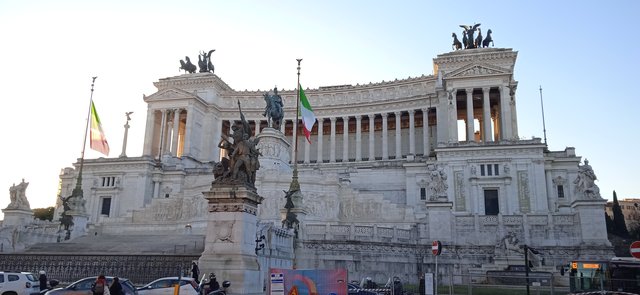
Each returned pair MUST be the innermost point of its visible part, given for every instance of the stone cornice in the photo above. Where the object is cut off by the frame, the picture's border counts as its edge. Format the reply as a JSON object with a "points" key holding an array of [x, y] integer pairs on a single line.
{"points": [[197, 80], [475, 55]]}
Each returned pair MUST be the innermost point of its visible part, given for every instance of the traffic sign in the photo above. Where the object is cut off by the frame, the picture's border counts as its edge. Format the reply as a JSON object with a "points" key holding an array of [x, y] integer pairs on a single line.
{"points": [[635, 249], [436, 248]]}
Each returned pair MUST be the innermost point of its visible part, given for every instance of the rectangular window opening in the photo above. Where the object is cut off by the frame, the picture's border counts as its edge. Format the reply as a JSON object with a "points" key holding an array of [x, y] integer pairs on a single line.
{"points": [[491, 206], [423, 193], [105, 209], [560, 191]]}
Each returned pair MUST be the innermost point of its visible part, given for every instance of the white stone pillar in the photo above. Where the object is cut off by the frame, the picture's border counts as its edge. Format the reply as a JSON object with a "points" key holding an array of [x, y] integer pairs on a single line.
{"points": [[257, 127], [426, 148], [514, 113], [412, 133], [283, 125], [217, 136], [385, 143], [188, 135], [176, 126], [470, 128], [358, 138], [505, 114], [150, 130], [332, 149], [398, 135], [307, 148], [320, 139], [345, 139], [486, 111], [372, 130], [163, 133]]}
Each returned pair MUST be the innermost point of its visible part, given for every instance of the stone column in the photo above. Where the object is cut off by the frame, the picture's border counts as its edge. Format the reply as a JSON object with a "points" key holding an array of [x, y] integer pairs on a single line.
{"points": [[345, 139], [470, 128], [163, 133], [398, 135], [385, 143], [505, 114], [514, 113], [283, 126], [320, 139], [358, 138], [168, 138], [149, 134], [187, 134], [332, 149], [372, 130], [176, 126], [257, 127], [229, 249], [307, 148], [217, 136], [412, 133], [486, 118], [426, 149]]}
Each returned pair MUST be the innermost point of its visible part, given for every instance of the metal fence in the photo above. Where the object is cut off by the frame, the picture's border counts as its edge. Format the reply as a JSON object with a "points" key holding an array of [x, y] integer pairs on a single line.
{"points": [[139, 269]]}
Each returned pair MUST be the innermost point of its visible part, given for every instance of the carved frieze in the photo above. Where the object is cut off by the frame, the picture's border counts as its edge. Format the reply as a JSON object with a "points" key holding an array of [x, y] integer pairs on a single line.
{"points": [[524, 197], [460, 191]]}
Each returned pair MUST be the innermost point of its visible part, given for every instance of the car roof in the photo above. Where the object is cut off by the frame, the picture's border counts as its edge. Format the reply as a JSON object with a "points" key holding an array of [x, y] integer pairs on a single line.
{"points": [[175, 278], [106, 277]]}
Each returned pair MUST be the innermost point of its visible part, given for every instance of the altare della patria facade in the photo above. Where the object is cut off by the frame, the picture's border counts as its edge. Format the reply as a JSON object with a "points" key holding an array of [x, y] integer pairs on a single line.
{"points": [[387, 171]]}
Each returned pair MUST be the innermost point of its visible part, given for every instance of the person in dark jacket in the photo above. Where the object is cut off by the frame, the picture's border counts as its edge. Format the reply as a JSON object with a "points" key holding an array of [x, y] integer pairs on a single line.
{"points": [[195, 272], [116, 287], [43, 280], [213, 283], [397, 286], [421, 286]]}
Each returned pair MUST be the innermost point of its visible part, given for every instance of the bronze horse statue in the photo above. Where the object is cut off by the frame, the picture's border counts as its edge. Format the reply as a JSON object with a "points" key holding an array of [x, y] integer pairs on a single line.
{"points": [[187, 66], [273, 111], [456, 43], [488, 39]]}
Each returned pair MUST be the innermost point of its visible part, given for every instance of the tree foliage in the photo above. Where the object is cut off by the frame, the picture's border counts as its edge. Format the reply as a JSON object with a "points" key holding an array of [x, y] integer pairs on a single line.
{"points": [[43, 213], [619, 225]]}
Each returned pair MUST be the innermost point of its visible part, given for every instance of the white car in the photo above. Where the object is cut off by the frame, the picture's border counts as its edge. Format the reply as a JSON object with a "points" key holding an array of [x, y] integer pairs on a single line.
{"points": [[19, 283], [188, 286]]}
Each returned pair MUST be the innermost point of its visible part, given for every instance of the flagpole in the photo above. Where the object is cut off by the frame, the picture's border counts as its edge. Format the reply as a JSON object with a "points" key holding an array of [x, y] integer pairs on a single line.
{"points": [[86, 128], [295, 146]]}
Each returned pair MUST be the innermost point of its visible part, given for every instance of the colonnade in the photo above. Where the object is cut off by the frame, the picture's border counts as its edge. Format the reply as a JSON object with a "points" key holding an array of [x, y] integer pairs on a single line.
{"points": [[168, 129], [497, 122], [353, 147]]}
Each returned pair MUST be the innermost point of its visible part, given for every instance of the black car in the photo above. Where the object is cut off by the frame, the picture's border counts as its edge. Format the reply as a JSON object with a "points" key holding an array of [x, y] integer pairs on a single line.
{"points": [[83, 286]]}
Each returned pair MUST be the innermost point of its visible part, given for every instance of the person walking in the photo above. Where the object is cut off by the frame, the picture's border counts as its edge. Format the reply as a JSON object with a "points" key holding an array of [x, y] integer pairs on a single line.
{"points": [[100, 287], [195, 271], [116, 287], [43, 280]]}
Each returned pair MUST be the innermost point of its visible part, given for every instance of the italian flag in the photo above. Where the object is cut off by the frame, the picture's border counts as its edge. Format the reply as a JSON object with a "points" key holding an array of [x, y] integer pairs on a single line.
{"points": [[97, 140], [306, 112]]}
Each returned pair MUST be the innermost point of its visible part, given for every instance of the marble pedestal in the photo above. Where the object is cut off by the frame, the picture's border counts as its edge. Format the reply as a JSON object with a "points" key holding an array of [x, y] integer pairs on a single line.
{"points": [[231, 238], [275, 149], [440, 221], [17, 217], [594, 232]]}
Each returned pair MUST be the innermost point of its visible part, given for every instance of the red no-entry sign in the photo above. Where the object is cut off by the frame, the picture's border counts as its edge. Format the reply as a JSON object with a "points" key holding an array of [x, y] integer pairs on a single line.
{"points": [[436, 248], [635, 249]]}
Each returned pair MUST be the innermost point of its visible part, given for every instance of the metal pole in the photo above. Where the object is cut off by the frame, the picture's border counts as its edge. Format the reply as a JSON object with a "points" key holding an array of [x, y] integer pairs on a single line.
{"points": [[526, 266], [544, 128], [435, 279]]}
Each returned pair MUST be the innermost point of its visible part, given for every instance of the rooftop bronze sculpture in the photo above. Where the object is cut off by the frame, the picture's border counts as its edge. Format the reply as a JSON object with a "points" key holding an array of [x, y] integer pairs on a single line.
{"points": [[204, 62], [187, 66], [468, 40]]}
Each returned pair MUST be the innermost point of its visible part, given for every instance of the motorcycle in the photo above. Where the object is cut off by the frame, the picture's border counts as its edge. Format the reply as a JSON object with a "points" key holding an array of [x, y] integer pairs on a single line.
{"points": [[52, 285], [221, 291]]}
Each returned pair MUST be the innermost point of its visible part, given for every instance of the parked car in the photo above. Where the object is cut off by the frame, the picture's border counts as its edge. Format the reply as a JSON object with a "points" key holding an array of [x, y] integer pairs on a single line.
{"points": [[19, 283], [188, 286], [354, 289], [83, 287]]}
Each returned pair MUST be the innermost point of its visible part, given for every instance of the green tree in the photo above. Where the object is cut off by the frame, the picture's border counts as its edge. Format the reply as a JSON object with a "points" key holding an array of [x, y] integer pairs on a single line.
{"points": [[609, 223], [43, 213], [619, 225]]}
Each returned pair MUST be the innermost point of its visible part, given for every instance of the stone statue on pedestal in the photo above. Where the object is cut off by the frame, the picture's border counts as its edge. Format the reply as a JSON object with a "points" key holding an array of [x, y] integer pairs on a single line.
{"points": [[585, 182], [274, 109], [18, 197]]}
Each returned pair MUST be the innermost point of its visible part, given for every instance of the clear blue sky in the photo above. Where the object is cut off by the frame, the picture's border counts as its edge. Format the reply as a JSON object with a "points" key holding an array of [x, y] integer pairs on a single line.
{"points": [[583, 53]]}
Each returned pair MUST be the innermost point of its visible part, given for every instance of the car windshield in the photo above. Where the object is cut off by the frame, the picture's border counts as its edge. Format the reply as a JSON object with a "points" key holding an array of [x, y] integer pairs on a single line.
{"points": [[31, 277]]}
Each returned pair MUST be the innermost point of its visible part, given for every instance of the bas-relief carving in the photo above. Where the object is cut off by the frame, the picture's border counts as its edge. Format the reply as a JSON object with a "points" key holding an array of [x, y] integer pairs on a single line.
{"points": [[523, 192], [224, 231], [175, 209], [459, 191], [353, 210], [322, 206], [437, 179]]}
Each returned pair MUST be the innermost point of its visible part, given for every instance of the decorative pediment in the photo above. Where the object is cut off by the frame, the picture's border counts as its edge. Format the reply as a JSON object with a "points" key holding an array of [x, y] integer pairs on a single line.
{"points": [[171, 94], [477, 70]]}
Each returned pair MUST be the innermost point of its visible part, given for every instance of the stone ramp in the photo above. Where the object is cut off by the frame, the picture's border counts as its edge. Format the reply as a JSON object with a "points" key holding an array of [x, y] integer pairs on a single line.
{"points": [[175, 244]]}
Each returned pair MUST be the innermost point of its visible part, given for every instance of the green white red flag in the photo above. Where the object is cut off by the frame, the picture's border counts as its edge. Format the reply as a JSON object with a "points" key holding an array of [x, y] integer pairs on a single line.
{"points": [[97, 139], [306, 112]]}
